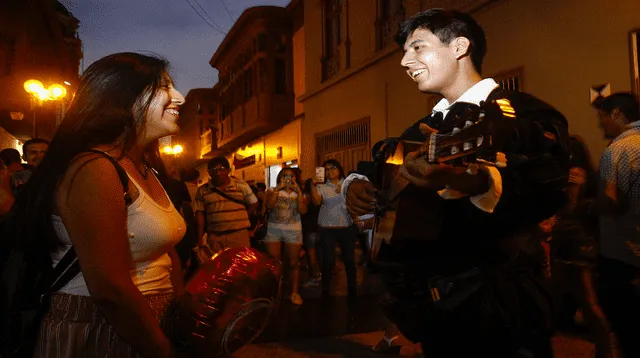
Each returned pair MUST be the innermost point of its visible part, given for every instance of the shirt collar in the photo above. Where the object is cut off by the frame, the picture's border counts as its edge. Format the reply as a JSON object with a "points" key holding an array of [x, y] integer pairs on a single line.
{"points": [[474, 95], [627, 132], [632, 125]]}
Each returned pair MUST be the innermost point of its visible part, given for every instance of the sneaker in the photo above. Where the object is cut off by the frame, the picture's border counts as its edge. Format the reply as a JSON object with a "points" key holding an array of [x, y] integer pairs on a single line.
{"points": [[386, 346], [296, 299]]}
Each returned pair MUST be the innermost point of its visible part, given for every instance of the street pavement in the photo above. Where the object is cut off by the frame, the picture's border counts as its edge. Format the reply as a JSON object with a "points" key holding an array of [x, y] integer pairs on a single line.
{"points": [[341, 327]]}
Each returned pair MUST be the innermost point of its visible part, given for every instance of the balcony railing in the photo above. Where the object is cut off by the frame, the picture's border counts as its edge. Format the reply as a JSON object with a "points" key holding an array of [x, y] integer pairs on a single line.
{"points": [[388, 28], [259, 115], [330, 66]]}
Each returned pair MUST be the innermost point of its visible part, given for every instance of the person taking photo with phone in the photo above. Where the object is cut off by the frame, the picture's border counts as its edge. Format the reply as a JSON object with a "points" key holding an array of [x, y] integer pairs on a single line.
{"points": [[284, 229]]}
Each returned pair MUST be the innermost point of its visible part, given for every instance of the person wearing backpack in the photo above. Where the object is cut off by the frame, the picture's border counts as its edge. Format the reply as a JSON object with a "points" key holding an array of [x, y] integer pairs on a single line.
{"points": [[115, 302]]}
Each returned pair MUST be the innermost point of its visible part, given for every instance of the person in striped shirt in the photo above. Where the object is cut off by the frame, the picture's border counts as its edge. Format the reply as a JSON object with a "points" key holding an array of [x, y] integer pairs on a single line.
{"points": [[224, 204]]}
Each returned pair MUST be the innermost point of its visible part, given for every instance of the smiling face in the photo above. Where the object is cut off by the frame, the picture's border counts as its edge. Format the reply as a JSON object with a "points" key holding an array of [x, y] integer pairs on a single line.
{"points": [[611, 123], [163, 112], [429, 62]]}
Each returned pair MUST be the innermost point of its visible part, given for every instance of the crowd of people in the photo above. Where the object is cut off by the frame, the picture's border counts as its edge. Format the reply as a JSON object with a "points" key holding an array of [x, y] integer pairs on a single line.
{"points": [[479, 255], [294, 219]]}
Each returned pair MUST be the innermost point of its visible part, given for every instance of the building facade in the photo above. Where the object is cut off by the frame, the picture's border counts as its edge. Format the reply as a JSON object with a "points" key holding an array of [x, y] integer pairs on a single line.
{"points": [[357, 93], [38, 40], [259, 123], [198, 126]]}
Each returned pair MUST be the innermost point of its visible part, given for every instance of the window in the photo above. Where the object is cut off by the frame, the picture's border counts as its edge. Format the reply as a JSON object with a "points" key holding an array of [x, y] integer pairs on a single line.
{"points": [[391, 15], [332, 38], [262, 69], [248, 84], [280, 75], [281, 45], [262, 42], [333, 22], [348, 144], [225, 105]]}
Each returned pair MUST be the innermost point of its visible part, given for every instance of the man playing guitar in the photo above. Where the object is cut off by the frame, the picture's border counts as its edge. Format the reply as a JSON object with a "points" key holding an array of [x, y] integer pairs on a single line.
{"points": [[491, 167]]}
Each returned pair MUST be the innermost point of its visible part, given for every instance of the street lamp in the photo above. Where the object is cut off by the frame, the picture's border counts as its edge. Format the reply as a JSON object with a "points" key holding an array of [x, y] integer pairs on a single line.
{"points": [[175, 150], [39, 94]]}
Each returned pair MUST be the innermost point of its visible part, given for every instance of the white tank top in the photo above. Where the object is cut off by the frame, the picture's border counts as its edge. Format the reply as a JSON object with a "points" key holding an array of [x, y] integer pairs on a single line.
{"points": [[152, 231]]}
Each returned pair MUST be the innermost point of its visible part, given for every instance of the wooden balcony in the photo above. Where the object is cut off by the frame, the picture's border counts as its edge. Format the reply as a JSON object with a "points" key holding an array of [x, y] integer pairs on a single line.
{"points": [[258, 116], [206, 141]]}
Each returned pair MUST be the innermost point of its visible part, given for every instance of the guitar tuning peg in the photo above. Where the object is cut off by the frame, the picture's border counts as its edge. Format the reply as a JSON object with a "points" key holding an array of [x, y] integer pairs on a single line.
{"points": [[467, 124], [479, 141]]}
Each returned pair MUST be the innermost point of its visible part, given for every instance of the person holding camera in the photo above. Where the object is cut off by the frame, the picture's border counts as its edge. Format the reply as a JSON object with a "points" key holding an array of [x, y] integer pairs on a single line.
{"points": [[284, 229], [336, 227]]}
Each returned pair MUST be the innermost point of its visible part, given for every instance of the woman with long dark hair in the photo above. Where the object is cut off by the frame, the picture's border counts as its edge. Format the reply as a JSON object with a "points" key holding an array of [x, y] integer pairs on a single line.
{"points": [[130, 271], [284, 231], [335, 227]]}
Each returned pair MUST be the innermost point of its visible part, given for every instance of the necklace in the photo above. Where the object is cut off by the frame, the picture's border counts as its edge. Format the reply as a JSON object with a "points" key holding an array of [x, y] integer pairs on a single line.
{"points": [[144, 174]]}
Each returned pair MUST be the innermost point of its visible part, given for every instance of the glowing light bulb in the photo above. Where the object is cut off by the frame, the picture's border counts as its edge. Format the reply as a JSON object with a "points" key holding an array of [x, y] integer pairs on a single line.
{"points": [[33, 86], [57, 91]]}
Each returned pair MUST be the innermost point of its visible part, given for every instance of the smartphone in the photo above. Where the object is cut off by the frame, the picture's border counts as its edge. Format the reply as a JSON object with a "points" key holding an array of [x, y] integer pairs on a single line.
{"points": [[319, 175]]}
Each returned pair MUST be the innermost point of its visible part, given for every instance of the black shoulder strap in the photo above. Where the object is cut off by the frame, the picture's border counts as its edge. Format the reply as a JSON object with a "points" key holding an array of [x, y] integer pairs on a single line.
{"points": [[226, 196], [122, 174], [65, 270], [69, 267]]}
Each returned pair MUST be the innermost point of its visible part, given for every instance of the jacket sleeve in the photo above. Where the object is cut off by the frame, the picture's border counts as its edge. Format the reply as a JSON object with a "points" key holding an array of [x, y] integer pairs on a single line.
{"points": [[533, 182]]}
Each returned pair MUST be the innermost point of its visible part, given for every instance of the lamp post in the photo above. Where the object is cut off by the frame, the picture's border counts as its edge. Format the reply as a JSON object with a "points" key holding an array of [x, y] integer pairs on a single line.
{"points": [[174, 152], [39, 94]]}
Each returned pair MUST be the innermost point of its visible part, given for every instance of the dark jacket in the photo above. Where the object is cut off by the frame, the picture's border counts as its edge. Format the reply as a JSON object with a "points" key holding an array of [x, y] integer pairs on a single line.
{"points": [[458, 233]]}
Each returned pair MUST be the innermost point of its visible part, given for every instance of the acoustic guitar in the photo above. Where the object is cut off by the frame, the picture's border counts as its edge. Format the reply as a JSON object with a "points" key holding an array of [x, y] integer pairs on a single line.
{"points": [[477, 138]]}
